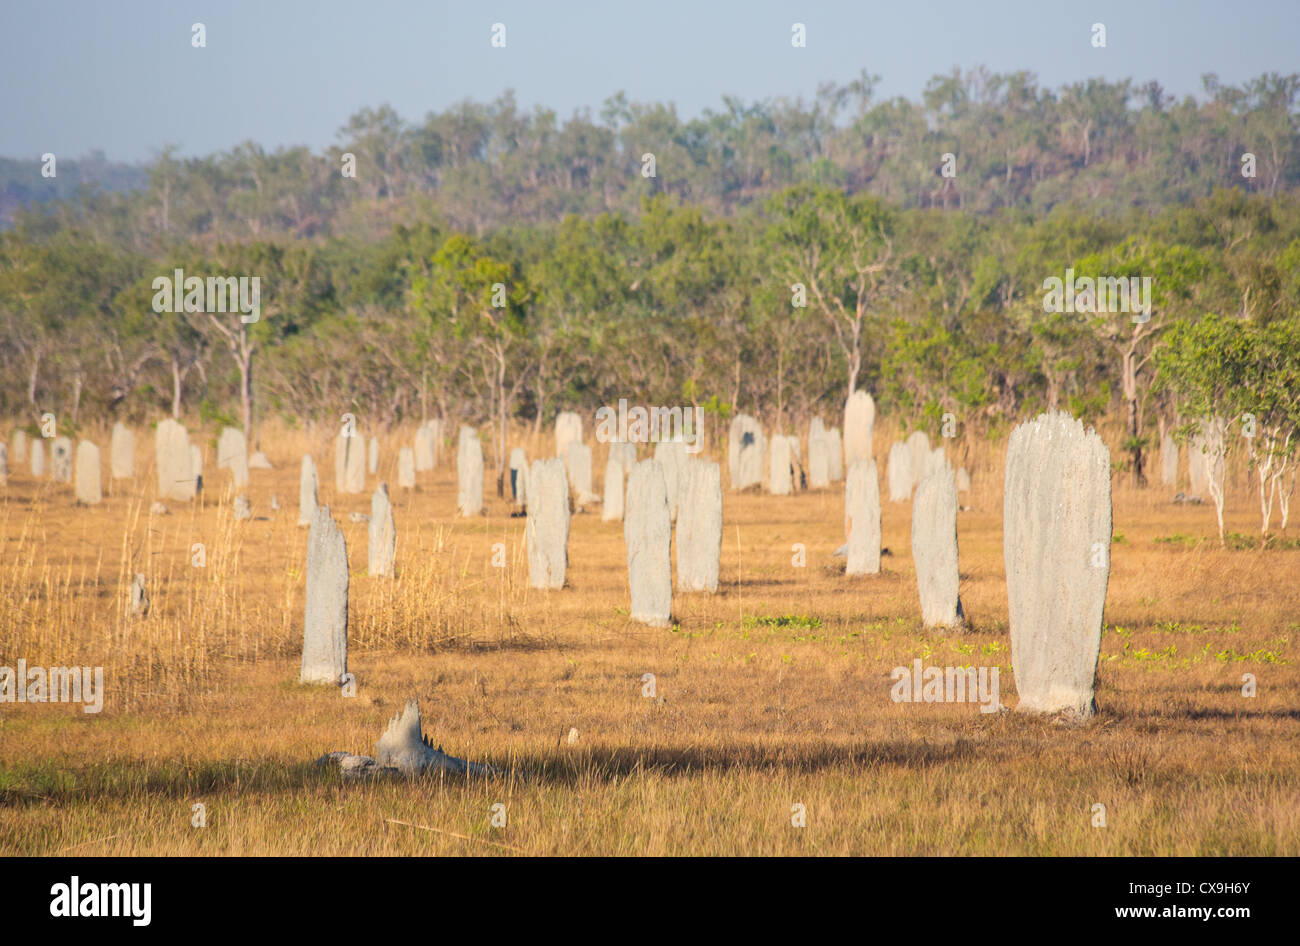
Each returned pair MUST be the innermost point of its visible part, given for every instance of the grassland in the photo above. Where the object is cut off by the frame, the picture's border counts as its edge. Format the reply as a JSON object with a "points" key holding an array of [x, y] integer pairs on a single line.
{"points": [[773, 692]]}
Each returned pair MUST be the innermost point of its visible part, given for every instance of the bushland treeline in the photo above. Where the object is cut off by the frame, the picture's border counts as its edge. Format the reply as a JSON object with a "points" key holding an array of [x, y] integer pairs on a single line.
{"points": [[1111, 145], [494, 266]]}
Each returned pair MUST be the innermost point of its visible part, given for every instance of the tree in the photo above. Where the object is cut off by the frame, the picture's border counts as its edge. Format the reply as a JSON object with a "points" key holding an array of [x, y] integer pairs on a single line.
{"points": [[483, 298], [1172, 274], [1240, 374], [841, 249], [579, 287]]}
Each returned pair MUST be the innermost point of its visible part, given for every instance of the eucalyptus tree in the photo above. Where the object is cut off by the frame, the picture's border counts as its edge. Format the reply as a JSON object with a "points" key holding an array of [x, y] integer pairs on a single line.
{"points": [[836, 254], [1244, 375], [480, 297], [580, 289], [1138, 288]]}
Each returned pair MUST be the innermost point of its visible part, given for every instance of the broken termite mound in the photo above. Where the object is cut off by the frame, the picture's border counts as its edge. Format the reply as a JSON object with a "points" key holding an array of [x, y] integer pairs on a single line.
{"points": [[403, 749]]}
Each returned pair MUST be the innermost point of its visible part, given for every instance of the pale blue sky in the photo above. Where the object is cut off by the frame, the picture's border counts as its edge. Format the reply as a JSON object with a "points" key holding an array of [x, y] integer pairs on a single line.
{"points": [[121, 75]]}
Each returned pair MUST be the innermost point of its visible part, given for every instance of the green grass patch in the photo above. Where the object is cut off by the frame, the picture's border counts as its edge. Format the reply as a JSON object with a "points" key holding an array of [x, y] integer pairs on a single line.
{"points": [[796, 621]]}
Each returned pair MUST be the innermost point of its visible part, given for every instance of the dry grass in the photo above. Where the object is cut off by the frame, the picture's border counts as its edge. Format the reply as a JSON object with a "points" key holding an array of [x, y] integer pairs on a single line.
{"points": [[771, 693]]}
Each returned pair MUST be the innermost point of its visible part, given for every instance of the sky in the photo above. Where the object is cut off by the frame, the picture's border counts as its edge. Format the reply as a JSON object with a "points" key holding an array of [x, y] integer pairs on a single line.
{"points": [[122, 76]]}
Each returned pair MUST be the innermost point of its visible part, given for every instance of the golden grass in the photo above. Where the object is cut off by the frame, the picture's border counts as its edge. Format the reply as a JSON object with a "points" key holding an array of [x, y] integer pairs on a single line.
{"points": [[773, 692]]}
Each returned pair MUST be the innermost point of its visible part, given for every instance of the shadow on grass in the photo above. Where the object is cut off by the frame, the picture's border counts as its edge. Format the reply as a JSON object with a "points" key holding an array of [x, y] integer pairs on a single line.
{"points": [[748, 583], [46, 783], [468, 642], [1202, 712], [523, 643], [567, 767]]}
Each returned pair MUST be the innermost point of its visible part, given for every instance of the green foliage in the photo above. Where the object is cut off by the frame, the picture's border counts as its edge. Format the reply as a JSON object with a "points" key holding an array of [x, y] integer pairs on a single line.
{"points": [[378, 295], [1228, 367], [800, 621], [214, 415]]}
